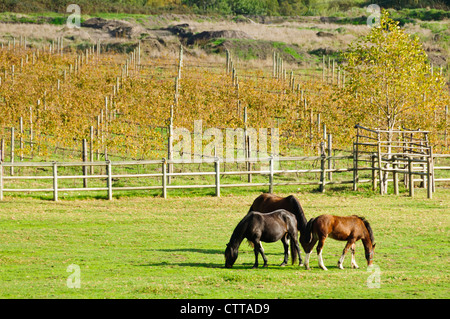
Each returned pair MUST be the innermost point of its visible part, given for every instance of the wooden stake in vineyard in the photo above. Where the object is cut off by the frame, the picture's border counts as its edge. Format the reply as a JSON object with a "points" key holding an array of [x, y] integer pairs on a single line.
{"points": [[228, 61], [180, 62], [170, 144]]}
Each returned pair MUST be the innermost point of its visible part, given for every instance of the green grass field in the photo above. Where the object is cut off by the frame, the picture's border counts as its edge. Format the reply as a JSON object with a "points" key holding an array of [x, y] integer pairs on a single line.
{"points": [[148, 247]]}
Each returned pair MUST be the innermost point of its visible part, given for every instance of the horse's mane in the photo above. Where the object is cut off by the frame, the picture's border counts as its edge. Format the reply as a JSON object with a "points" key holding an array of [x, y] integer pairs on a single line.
{"points": [[241, 228], [299, 213], [369, 229]]}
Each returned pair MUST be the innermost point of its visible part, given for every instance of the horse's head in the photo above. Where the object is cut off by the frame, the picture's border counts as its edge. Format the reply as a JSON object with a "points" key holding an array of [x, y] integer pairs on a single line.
{"points": [[231, 255], [369, 255]]}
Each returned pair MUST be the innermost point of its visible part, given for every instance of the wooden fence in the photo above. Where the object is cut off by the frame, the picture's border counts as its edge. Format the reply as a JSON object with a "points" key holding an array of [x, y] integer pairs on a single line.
{"points": [[324, 173]]}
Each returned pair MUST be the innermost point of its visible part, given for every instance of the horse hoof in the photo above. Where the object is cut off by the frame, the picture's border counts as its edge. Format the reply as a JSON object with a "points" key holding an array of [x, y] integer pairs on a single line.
{"points": [[340, 266], [283, 264], [265, 266], [355, 266], [301, 265], [324, 268], [307, 268]]}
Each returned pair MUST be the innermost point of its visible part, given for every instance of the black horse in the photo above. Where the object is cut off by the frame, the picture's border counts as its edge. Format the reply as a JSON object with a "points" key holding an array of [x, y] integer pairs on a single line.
{"points": [[269, 227], [266, 203]]}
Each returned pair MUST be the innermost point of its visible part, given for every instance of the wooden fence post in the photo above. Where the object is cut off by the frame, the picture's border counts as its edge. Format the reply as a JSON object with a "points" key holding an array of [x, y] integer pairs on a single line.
{"points": [[55, 181], [109, 179], [217, 168], [433, 188], [164, 178], [322, 168], [374, 174], [330, 153], [1, 180], [411, 177], [429, 177], [355, 165], [395, 174], [380, 165], [249, 155], [271, 175]]}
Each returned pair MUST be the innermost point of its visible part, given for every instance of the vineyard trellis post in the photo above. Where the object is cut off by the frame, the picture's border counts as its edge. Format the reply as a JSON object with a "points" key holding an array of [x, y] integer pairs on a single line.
{"points": [[21, 137], [91, 147], [180, 62], [84, 158], [12, 150], [170, 144], [446, 125], [2, 149]]}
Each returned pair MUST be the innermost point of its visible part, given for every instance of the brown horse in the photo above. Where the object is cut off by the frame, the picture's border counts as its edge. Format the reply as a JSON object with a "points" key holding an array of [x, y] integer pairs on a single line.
{"points": [[350, 229], [266, 203]]}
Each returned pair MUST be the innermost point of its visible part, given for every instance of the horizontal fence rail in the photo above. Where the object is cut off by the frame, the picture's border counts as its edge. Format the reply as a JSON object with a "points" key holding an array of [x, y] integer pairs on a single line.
{"points": [[324, 172]]}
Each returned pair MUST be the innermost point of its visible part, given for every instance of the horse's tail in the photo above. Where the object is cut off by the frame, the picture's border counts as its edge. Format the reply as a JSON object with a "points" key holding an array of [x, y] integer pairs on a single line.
{"points": [[307, 234], [294, 247]]}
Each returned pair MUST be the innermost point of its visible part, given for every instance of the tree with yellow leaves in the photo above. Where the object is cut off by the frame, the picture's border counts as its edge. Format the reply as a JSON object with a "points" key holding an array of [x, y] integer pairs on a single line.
{"points": [[390, 82]]}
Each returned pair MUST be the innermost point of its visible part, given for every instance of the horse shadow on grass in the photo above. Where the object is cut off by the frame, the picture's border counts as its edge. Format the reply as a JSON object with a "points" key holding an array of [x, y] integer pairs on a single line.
{"points": [[203, 264]]}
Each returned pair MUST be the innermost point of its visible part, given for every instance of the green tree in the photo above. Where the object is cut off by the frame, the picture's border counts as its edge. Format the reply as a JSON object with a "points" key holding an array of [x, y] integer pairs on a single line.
{"points": [[247, 6]]}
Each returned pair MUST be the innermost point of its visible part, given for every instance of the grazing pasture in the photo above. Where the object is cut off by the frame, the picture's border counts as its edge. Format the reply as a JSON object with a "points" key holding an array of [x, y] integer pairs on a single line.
{"points": [[149, 247]]}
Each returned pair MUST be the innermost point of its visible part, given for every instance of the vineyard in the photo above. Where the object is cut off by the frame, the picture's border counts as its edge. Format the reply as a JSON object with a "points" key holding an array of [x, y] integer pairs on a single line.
{"points": [[122, 104], [143, 121]]}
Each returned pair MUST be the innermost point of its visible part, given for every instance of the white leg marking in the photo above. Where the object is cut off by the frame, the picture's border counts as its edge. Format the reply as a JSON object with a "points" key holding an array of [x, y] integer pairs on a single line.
{"points": [[354, 265], [341, 261], [307, 261], [321, 265]]}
